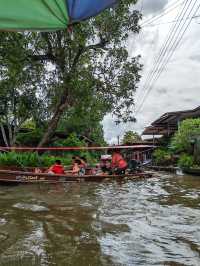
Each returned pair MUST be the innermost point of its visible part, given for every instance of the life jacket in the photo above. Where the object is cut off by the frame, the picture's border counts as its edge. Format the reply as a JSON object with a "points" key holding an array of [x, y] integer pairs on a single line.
{"points": [[58, 169], [118, 161]]}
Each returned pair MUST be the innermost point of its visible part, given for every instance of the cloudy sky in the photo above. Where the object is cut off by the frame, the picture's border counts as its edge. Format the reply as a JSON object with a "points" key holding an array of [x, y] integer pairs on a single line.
{"points": [[178, 87]]}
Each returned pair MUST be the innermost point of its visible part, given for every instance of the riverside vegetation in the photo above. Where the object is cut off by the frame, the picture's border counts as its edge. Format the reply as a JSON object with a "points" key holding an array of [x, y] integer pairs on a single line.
{"points": [[34, 159], [183, 149]]}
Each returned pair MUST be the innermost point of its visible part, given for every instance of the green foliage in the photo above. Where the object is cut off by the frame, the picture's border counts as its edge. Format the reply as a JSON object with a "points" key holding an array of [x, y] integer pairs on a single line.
{"points": [[29, 124], [131, 137], [84, 120], [92, 71], [30, 159], [74, 141], [162, 157], [186, 161], [184, 138], [29, 139], [71, 141]]}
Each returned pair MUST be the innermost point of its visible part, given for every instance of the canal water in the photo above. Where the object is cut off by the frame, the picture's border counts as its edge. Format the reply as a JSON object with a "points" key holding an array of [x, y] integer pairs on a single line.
{"points": [[148, 222]]}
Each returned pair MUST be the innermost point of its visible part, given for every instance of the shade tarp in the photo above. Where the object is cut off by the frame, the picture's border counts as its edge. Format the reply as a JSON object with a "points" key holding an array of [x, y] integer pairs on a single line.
{"points": [[83, 9], [33, 14], [47, 15]]}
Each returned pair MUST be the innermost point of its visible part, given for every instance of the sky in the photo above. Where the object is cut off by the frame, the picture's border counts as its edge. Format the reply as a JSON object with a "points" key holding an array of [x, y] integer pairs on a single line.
{"points": [[178, 87]]}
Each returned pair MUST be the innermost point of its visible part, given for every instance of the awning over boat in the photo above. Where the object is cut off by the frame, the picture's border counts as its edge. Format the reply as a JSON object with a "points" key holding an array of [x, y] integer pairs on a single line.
{"points": [[47, 15]]}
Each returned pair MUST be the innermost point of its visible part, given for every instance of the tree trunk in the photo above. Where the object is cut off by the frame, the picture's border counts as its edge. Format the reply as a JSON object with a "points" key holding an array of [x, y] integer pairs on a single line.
{"points": [[52, 126], [10, 135], [4, 135]]}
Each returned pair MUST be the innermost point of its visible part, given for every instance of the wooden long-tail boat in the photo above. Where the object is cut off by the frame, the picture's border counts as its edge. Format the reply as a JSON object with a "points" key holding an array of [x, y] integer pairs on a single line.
{"points": [[28, 176], [7, 176]]}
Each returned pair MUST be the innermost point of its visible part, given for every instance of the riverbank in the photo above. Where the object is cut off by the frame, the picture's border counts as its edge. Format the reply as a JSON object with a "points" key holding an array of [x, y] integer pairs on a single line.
{"points": [[170, 169], [175, 170]]}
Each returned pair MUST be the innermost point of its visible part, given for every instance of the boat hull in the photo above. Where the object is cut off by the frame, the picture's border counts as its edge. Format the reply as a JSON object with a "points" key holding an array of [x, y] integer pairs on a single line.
{"points": [[30, 177]]}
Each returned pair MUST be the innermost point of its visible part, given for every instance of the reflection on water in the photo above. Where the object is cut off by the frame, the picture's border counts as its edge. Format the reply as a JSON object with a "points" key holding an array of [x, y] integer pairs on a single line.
{"points": [[152, 222]]}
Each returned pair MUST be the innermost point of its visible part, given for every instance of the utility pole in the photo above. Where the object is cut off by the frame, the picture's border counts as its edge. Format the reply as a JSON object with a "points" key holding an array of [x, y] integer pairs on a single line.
{"points": [[118, 140]]}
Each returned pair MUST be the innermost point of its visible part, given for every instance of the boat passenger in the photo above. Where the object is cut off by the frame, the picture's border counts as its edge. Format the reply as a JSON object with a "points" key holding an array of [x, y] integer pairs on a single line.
{"points": [[83, 161], [133, 166], [105, 164], [82, 165], [37, 170], [119, 164], [76, 167], [57, 168], [97, 170], [79, 165]]}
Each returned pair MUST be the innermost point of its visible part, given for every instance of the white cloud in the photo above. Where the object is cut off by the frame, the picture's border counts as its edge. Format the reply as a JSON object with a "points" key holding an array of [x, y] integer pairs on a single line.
{"points": [[151, 7], [178, 88]]}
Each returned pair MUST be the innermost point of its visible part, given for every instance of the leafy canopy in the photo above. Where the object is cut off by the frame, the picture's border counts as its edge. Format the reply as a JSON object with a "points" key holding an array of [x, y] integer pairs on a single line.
{"points": [[131, 137], [184, 138], [90, 67]]}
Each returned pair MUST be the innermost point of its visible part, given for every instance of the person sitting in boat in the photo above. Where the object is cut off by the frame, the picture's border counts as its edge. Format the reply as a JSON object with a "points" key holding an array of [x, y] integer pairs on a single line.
{"points": [[83, 165], [97, 170], [119, 164], [57, 168], [133, 166], [75, 167], [37, 170], [79, 165], [105, 164]]}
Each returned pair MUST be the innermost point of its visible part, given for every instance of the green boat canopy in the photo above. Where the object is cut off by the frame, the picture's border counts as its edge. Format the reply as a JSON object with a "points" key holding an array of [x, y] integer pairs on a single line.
{"points": [[47, 15]]}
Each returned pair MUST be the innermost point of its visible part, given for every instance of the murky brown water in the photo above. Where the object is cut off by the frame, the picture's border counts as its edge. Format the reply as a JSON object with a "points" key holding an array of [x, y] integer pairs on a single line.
{"points": [[153, 222]]}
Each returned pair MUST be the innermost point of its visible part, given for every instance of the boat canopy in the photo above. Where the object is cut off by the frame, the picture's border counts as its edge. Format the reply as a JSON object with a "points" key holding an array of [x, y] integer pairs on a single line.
{"points": [[47, 15]]}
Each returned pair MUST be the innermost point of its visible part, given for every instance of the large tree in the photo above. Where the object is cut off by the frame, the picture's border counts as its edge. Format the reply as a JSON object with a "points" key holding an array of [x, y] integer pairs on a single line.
{"points": [[91, 63], [18, 87]]}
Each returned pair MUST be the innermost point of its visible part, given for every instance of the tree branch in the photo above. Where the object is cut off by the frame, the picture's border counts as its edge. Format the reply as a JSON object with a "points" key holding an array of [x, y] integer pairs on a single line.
{"points": [[82, 50]]}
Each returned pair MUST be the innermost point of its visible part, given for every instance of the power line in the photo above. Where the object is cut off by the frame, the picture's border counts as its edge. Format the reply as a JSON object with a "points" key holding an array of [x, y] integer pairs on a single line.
{"points": [[174, 46], [164, 13], [161, 68], [171, 36], [158, 59], [169, 22]]}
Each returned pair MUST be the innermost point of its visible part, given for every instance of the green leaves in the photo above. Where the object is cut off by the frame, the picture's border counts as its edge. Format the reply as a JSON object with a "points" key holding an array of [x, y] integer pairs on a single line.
{"points": [[184, 138], [30, 160], [131, 137], [162, 157], [81, 75], [186, 161]]}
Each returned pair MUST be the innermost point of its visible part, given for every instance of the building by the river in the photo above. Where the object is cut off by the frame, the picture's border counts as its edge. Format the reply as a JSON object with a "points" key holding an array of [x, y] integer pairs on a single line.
{"points": [[168, 123]]}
